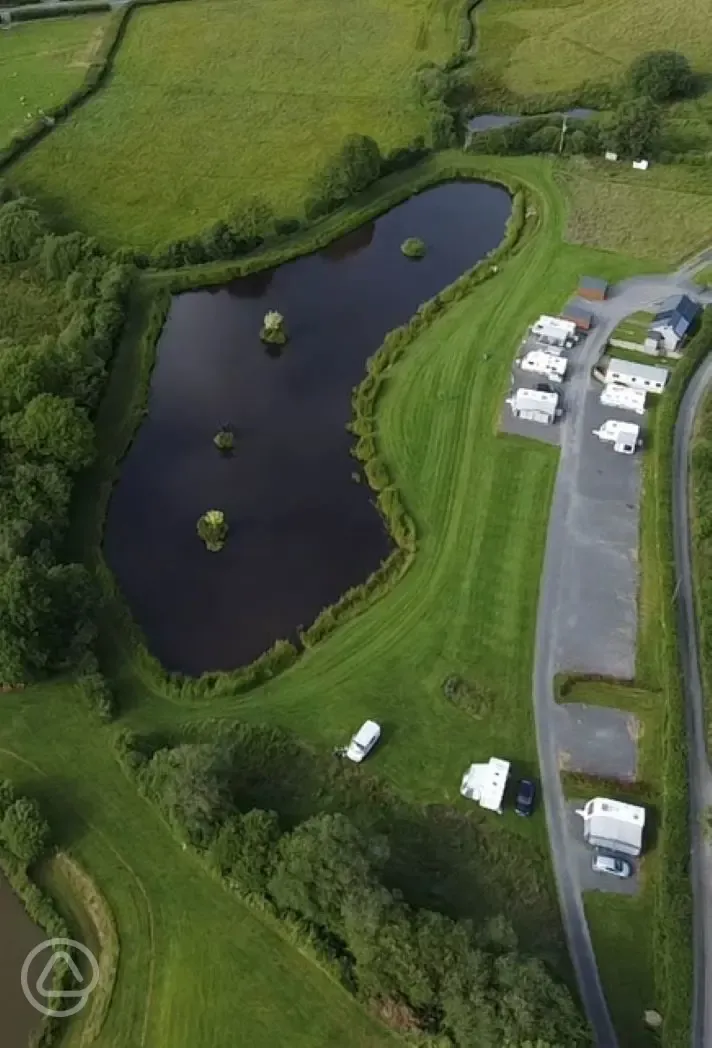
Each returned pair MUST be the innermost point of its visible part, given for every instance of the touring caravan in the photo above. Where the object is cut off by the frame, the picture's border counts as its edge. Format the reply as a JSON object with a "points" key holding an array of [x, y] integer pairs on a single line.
{"points": [[618, 396], [542, 363]]}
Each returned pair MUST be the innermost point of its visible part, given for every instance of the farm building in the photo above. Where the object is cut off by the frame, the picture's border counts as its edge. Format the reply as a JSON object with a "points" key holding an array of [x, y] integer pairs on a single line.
{"points": [[486, 783], [534, 405], [672, 324], [554, 331], [637, 376], [582, 317], [613, 825], [593, 288]]}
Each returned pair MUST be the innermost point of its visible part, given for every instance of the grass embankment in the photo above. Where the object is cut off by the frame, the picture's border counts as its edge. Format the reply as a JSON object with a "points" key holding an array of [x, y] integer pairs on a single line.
{"points": [[701, 522], [41, 63], [90, 920], [239, 100], [536, 47], [663, 214], [634, 328]]}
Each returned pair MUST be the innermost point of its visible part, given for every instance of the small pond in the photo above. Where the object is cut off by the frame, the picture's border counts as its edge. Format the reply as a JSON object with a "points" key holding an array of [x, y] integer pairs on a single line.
{"points": [[490, 121], [18, 936], [302, 530]]}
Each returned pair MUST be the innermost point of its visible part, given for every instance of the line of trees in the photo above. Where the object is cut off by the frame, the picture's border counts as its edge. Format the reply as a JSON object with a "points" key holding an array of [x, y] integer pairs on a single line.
{"points": [[49, 390], [417, 970]]}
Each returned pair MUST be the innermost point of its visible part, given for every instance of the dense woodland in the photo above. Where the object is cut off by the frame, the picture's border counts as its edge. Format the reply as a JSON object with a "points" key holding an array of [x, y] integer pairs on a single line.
{"points": [[462, 982], [49, 390]]}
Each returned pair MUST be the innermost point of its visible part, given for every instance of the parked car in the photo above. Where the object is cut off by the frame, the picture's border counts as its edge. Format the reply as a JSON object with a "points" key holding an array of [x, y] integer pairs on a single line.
{"points": [[610, 864], [363, 741], [526, 792]]}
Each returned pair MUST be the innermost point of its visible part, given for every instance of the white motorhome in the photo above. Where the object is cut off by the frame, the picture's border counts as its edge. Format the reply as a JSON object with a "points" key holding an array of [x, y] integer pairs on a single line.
{"points": [[555, 331], [618, 396], [534, 405], [486, 783], [622, 435], [543, 363], [613, 825], [363, 741]]}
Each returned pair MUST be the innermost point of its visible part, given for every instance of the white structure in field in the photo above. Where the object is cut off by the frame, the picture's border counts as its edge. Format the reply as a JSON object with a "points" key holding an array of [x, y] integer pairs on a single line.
{"points": [[543, 363], [615, 396], [640, 165], [534, 405], [622, 435], [554, 331], [613, 825], [610, 155], [486, 783], [637, 376]]}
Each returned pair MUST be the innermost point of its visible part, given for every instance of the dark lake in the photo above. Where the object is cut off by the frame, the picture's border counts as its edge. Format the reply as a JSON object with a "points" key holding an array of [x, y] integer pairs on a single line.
{"points": [[302, 531], [18, 936]]}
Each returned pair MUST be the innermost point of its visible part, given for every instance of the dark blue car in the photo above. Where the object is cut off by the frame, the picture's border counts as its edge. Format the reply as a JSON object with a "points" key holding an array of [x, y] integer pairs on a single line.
{"points": [[526, 792]]}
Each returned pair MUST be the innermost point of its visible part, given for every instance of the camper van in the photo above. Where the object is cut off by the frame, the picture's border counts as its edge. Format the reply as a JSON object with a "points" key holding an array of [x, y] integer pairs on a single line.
{"points": [[618, 396]]}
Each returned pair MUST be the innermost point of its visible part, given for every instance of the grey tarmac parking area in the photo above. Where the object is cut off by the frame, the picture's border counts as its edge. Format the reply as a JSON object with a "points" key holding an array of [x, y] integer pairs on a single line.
{"points": [[581, 858], [598, 613], [597, 740]]}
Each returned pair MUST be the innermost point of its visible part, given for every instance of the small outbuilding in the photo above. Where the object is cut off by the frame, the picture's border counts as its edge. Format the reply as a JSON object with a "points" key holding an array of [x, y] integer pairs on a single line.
{"points": [[613, 825], [593, 288], [636, 376], [534, 405], [582, 317], [486, 783]]}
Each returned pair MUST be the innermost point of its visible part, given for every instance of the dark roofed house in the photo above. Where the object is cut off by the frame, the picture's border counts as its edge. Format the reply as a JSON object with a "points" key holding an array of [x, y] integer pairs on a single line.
{"points": [[582, 317], [672, 323], [593, 288]]}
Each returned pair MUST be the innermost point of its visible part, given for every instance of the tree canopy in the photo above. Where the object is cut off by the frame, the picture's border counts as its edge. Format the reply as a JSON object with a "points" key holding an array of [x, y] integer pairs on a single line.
{"points": [[661, 75], [633, 128]]}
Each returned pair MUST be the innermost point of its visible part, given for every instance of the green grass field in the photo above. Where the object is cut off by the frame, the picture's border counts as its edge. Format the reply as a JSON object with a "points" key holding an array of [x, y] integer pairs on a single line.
{"points": [[212, 102], [530, 47], [663, 214], [634, 328], [41, 63], [205, 970]]}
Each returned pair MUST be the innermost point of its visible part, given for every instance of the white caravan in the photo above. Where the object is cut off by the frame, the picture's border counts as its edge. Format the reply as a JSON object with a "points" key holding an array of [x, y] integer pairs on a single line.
{"points": [[542, 363], [615, 395], [623, 435]]}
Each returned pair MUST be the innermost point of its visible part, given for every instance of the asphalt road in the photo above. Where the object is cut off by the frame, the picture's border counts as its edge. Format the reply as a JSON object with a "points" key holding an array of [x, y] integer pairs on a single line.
{"points": [[700, 777], [626, 298]]}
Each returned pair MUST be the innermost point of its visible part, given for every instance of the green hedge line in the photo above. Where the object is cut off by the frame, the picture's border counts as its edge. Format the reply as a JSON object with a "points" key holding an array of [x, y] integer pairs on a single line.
{"points": [[673, 924], [283, 654], [33, 14], [95, 74]]}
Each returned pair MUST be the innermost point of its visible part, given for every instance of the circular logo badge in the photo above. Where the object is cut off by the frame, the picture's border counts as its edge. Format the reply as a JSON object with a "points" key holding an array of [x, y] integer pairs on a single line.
{"points": [[43, 989]]}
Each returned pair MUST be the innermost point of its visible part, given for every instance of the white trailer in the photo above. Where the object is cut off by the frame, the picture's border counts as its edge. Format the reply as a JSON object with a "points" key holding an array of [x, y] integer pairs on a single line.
{"points": [[623, 435], [486, 783], [616, 395], [555, 331], [543, 363]]}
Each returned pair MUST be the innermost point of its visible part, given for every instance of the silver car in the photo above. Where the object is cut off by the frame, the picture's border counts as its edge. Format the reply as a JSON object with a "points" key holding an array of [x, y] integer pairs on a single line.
{"points": [[610, 864]]}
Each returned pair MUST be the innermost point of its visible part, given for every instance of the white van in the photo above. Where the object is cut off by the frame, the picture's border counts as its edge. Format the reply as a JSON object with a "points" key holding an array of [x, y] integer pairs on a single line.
{"points": [[363, 741]]}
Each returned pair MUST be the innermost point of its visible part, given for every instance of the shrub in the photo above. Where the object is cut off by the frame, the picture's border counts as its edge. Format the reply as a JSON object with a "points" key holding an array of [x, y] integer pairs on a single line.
{"points": [[414, 247], [20, 229], [212, 529], [96, 691], [273, 331], [660, 75], [224, 439], [24, 831]]}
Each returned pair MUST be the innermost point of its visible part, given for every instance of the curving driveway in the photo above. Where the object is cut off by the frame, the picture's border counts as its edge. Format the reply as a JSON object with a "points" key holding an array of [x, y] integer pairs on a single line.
{"points": [[553, 621]]}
